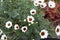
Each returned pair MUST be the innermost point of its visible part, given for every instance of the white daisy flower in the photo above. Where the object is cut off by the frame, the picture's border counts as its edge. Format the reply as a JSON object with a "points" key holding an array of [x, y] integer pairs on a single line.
{"points": [[43, 5], [33, 12], [57, 30], [30, 19], [4, 37], [51, 4], [24, 28], [16, 27], [44, 34], [1, 31], [8, 24], [40, 1], [36, 3]]}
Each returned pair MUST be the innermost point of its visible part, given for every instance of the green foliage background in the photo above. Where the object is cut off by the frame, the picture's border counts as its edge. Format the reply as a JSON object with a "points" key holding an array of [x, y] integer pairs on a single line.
{"points": [[18, 10]]}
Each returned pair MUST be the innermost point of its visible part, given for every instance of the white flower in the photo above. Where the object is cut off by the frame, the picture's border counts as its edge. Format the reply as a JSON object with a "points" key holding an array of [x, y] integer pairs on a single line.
{"points": [[51, 4], [33, 12], [4, 37], [1, 32], [36, 3], [24, 28], [16, 27], [57, 30], [8, 24], [40, 1], [24, 20], [43, 5], [30, 19], [29, 24], [44, 34]]}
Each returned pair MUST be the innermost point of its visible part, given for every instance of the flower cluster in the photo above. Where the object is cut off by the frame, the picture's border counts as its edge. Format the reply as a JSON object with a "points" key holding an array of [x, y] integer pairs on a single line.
{"points": [[44, 33], [16, 26], [43, 4], [50, 13]]}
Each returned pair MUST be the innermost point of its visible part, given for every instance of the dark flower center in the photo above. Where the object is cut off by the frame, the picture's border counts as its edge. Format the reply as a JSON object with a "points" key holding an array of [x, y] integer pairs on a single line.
{"points": [[33, 12], [24, 28], [42, 33], [41, 5], [30, 19], [4, 38], [57, 30], [8, 24], [36, 3], [16, 26], [50, 5], [39, 1]]}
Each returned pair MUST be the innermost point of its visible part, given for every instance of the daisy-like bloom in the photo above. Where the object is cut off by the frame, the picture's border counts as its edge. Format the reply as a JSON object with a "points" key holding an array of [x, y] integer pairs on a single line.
{"points": [[30, 18], [43, 5], [57, 30], [16, 27], [44, 34], [24, 29], [4, 37], [40, 1], [1, 31], [33, 12], [8, 24], [51, 4], [36, 3]]}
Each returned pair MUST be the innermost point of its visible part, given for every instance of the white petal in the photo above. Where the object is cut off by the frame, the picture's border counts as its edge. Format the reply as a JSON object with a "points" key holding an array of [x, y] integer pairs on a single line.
{"points": [[1, 32], [43, 37]]}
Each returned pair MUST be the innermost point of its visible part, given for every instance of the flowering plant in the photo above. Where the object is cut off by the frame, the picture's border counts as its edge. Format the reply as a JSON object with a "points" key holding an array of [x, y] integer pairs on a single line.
{"points": [[29, 19]]}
